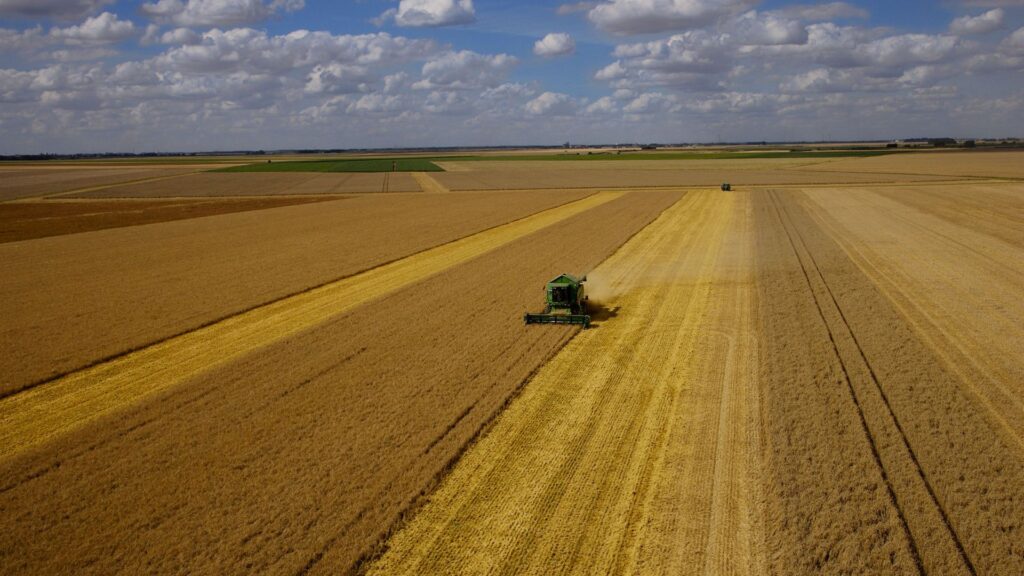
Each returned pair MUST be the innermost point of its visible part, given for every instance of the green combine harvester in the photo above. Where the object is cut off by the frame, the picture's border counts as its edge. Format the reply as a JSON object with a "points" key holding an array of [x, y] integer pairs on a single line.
{"points": [[566, 303]]}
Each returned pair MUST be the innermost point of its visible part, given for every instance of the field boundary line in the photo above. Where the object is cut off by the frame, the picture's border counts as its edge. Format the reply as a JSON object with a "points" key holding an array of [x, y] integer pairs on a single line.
{"points": [[35, 415]]}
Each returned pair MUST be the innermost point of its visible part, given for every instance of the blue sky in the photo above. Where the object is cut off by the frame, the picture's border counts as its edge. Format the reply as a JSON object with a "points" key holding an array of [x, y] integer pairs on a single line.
{"points": [[166, 75]]}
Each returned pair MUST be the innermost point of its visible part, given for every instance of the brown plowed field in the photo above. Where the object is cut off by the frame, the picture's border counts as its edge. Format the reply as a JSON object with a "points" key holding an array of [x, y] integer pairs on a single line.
{"points": [[275, 462], [69, 301], [29, 182], [966, 164], [216, 184], [27, 220]]}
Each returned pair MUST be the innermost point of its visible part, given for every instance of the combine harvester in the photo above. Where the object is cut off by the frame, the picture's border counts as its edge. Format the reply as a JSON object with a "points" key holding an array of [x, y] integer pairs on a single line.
{"points": [[566, 303]]}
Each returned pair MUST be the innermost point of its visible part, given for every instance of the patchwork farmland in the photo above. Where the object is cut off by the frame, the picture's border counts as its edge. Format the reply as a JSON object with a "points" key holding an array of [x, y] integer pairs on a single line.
{"points": [[321, 367]]}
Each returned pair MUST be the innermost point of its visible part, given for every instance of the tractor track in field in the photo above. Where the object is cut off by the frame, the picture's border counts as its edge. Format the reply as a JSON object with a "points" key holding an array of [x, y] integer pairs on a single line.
{"points": [[1004, 407], [794, 235]]}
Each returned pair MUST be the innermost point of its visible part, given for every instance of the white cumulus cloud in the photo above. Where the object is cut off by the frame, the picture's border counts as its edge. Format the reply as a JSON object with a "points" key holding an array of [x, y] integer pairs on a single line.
{"points": [[624, 17], [430, 13], [207, 13], [464, 70], [768, 29], [106, 28], [1016, 40], [603, 105], [554, 44], [551, 104], [824, 12], [980, 24]]}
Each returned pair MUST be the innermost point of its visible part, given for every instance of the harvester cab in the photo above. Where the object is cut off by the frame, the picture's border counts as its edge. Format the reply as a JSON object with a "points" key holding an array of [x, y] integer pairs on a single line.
{"points": [[565, 303]]}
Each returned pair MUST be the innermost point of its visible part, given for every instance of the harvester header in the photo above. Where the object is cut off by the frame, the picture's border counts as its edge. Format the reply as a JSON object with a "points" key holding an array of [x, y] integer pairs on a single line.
{"points": [[565, 302]]}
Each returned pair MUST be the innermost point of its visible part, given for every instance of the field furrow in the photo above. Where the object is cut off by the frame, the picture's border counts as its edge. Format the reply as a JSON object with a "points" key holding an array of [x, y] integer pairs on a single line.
{"points": [[631, 450], [37, 415]]}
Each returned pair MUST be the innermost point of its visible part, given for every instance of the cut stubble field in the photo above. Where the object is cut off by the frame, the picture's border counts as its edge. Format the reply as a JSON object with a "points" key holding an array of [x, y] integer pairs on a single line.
{"points": [[818, 374], [782, 389], [636, 448], [127, 287], [218, 184], [44, 218], [38, 181], [280, 470], [570, 176]]}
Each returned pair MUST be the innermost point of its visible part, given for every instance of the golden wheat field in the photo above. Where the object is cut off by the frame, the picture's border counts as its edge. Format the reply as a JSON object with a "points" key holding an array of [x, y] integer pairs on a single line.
{"points": [[819, 372]]}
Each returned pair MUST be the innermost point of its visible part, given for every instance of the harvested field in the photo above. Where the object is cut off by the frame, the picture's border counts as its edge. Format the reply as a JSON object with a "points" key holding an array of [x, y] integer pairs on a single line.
{"points": [[950, 279], [759, 164], [216, 184], [26, 183], [54, 408], [129, 287], [638, 444], [790, 383], [427, 182], [400, 164], [27, 220], [280, 471], [561, 177], [814, 378], [954, 480], [965, 164]]}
